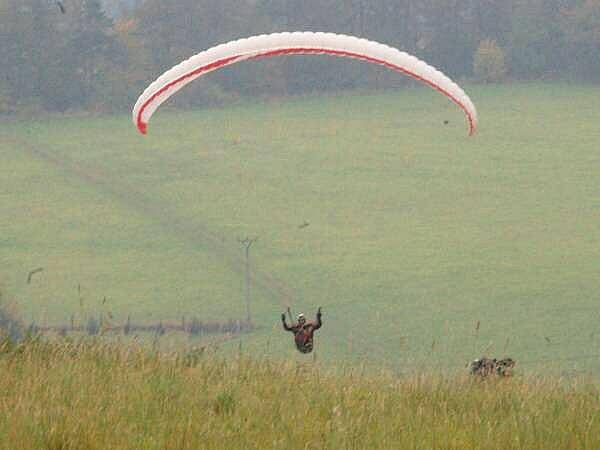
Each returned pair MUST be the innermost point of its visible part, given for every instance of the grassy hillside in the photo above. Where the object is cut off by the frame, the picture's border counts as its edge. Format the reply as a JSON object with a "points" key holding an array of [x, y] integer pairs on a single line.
{"points": [[417, 233], [94, 396]]}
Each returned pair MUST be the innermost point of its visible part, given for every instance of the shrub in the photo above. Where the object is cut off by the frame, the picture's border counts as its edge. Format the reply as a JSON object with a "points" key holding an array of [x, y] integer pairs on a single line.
{"points": [[10, 325], [489, 62], [195, 326], [92, 326], [5, 104]]}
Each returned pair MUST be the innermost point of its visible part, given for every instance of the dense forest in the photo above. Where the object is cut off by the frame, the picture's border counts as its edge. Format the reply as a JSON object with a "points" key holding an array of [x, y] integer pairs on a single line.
{"points": [[98, 55]]}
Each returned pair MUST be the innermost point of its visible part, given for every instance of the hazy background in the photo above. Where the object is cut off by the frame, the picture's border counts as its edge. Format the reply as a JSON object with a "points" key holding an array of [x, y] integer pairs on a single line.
{"points": [[99, 55], [423, 245]]}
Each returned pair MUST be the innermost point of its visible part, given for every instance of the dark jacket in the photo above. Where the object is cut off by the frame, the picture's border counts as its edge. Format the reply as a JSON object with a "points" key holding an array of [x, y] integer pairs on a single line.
{"points": [[303, 334]]}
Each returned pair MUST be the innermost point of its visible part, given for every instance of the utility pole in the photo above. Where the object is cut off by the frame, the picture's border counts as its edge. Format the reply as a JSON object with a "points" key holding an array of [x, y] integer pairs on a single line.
{"points": [[247, 243]]}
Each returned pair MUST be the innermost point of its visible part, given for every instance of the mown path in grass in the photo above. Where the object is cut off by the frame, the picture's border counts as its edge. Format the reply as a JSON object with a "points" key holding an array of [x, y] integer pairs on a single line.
{"points": [[161, 214], [417, 233]]}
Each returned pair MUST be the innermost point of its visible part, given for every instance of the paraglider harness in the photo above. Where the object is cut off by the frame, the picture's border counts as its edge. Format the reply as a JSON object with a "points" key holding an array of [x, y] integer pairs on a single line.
{"points": [[303, 332], [486, 366]]}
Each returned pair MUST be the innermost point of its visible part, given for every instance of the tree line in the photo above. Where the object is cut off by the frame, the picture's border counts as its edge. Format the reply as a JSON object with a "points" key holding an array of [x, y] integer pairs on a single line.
{"points": [[98, 55]]}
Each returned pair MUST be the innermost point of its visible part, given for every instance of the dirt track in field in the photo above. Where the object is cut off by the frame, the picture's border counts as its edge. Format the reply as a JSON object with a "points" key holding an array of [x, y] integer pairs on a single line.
{"points": [[163, 215]]}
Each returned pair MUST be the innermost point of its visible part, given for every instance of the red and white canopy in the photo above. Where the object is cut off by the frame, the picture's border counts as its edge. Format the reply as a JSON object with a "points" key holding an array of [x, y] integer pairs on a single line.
{"points": [[299, 43]]}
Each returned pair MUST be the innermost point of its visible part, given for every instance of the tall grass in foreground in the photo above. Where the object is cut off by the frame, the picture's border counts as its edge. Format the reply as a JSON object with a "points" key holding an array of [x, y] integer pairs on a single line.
{"points": [[88, 394]]}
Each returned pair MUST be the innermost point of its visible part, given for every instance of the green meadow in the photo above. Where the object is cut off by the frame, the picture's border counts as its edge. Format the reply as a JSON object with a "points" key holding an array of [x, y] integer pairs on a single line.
{"points": [[425, 247]]}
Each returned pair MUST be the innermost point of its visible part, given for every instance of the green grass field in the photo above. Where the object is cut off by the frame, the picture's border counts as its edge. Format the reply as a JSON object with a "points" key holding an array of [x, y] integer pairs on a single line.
{"points": [[417, 232]]}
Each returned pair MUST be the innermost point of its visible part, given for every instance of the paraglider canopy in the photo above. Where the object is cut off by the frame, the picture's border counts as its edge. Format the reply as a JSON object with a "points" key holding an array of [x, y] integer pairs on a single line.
{"points": [[299, 43]]}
